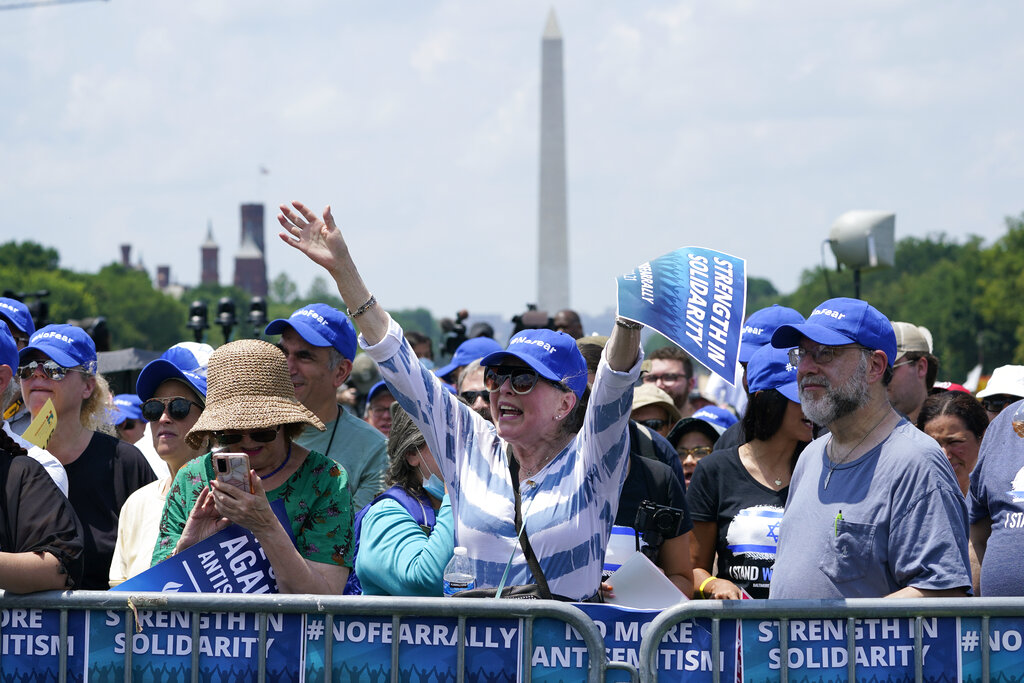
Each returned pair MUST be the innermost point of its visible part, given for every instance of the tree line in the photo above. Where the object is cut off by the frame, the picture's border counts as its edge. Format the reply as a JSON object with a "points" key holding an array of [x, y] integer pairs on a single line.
{"points": [[971, 297]]}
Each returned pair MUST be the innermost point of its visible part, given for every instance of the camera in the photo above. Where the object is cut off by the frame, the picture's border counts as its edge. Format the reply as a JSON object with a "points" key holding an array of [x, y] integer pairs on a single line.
{"points": [[656, 522]]}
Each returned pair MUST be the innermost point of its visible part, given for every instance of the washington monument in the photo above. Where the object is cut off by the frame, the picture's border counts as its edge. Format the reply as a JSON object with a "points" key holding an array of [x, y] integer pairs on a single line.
{"points": [[553, 237]]}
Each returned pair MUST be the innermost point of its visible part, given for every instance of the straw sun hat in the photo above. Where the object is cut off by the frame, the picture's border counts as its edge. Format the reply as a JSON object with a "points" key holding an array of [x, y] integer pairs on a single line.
{"points": [[248, 387]]}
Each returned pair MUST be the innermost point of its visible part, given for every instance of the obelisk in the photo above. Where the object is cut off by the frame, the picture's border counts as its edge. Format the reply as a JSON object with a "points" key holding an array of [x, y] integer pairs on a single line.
{"points": [[552, 234]]}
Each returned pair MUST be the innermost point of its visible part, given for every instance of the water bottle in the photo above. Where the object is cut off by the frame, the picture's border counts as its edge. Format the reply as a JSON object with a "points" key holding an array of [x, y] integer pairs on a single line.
{"points": [[458, 574]]}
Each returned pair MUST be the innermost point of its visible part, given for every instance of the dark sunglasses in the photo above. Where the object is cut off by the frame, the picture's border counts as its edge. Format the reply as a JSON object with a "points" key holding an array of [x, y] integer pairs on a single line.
{"points": [[127, 424], [472, 396], [51, 368], [177, 408], [258, 435], [522, 380], [996, 405], [654, 424]]}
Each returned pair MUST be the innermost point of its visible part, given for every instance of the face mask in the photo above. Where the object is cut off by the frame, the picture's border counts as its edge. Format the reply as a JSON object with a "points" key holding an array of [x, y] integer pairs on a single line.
{"points": [[433, 485]]}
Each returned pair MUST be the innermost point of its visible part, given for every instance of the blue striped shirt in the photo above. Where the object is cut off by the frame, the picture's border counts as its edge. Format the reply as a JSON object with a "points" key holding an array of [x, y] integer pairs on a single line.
{"points": [[568, 507]]}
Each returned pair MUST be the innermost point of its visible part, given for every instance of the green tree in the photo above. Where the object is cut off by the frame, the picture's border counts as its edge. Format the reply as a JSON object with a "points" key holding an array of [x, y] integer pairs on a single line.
{"points": [[28, 256], [283, 290]]}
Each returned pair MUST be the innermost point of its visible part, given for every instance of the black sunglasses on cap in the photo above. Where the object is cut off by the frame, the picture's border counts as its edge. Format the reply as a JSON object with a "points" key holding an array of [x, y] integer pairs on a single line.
{"points": [[177, 408]]}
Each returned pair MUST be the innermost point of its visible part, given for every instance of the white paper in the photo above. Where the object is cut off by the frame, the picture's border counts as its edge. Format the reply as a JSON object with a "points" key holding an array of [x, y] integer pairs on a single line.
{"points": [[639, 584]]}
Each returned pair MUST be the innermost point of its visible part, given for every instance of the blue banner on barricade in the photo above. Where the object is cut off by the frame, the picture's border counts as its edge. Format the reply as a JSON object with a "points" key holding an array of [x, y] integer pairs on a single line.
{"points": [[696, 298], [684, 651], [30, 652], [1005, 646], [230, 561], [817, 653]]}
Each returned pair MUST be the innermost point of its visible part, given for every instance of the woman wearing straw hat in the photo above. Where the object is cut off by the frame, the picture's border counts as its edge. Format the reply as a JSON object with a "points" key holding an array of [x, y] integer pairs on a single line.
{"points": [[251, 408], [565, 460]]}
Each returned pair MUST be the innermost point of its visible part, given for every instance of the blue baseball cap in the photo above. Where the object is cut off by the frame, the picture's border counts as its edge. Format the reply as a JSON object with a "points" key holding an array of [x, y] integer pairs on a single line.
{"points": [[769, 368], [8, 348], [185, 362], [320, 325], [68, 345], [554, 355], [18, 314], [467, 352], [720, 417], [760, 326], [376, 389], [842, 321], [126, 407]]}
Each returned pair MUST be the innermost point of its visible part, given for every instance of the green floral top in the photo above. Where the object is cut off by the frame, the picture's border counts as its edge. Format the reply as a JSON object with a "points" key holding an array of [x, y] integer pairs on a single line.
{"points": [[316, 498]]}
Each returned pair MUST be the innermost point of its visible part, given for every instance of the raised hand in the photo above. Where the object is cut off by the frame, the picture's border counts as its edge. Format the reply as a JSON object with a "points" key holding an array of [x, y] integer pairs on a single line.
{"points": [[203, 521], [316, 237]]}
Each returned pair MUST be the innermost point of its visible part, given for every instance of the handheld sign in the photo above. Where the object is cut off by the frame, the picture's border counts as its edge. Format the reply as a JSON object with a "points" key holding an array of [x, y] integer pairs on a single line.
{"points": [[696, 298], [39, 432]]}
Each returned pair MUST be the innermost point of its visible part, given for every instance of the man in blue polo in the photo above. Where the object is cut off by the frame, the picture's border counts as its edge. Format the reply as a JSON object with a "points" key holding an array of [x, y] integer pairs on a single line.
{"points": [[874, 509], [320, 344]]}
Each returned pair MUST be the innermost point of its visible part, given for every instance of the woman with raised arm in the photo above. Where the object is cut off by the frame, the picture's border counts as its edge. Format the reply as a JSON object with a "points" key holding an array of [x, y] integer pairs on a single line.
{"points": [[568, 459]]}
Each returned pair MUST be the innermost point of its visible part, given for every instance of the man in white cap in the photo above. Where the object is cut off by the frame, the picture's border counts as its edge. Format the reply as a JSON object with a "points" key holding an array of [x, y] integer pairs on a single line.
{"points": [[320, 345], [1005, 386], [914, 371]]}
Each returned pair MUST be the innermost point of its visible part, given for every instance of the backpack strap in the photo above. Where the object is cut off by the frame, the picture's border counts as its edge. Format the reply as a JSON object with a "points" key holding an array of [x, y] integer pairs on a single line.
{"points": [[641, 442]]}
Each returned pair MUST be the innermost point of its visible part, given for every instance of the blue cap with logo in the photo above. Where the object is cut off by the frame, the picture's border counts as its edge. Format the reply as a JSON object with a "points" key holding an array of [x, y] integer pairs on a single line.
{"points": [[68, 345], [126, 407], [842, 321], [18, 314], [469, 351], [185, 362], [717, 416], [8, 348], [761, 324], [320, 325], [769, 368], [554, 355]]}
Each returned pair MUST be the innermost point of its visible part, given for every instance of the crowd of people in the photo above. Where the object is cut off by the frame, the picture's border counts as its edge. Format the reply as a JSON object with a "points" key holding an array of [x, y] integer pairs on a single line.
{"points": [[839, 467]]}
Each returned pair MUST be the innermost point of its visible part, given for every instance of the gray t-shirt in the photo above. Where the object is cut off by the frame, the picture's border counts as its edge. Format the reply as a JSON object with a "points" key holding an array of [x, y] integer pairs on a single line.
{"points": [[356, 446], [996, 496], [892, 518]]}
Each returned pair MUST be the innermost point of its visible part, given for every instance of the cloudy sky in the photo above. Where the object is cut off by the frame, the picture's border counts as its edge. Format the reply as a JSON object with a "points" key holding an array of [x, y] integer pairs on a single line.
{"points": [[738, 125]]}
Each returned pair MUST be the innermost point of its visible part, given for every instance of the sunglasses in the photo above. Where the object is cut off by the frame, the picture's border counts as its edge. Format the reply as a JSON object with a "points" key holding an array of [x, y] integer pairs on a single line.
{"points": [[522, 380], [177, 408], [695, 451], [258, 435], [127, 424], [996, 405], [654, 424], [51, 368], [472, 396]]}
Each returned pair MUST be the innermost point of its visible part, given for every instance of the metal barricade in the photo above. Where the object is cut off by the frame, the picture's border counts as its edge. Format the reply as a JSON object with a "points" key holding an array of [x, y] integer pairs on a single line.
{"points": [[784, 611], [395, 608]]}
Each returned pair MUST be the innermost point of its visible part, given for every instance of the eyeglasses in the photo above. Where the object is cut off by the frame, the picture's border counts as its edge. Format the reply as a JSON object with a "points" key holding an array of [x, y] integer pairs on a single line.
{"points": [[654, 424], [905, 361], [51, 368], [696, 451], [127, 424], [522, 380], [666, 378], [472, 396], [177, 408], [995, 404], [823, 355], [258, 435]]}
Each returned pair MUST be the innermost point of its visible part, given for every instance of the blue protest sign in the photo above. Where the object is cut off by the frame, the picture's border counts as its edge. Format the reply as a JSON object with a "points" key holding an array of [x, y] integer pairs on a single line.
{"points": [[230, 561], [30, 645], [696, 298]]}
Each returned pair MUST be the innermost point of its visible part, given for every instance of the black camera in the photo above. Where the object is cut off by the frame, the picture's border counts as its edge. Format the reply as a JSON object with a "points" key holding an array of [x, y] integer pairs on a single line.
{"points": [[660, 519]]}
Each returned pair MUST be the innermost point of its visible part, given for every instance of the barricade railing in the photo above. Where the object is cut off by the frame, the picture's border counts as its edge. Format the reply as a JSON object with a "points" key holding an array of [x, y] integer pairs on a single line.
{"points": [[852, 613], [330, 607]]}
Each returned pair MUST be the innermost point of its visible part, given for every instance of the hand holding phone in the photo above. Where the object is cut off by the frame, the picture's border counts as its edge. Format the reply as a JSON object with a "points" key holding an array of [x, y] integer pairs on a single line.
{"points": [[233, 469]]}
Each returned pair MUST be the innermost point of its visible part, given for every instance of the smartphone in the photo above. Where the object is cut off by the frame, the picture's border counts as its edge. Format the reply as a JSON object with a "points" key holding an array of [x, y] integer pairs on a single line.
{"points": [[233, 469]]}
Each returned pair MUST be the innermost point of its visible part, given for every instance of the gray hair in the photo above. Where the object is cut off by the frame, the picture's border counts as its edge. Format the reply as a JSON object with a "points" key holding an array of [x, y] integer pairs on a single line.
{"points": [[405, 436], [475, 366]]}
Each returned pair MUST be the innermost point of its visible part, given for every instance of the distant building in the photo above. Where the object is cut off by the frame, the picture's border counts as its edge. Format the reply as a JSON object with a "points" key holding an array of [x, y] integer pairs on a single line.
{"points": [[210, 274], [163, 277], [250, 265]]}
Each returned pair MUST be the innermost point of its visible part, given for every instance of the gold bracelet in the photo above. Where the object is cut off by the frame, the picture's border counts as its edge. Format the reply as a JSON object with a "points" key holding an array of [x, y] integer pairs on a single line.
{"points": [[704, 583], [372, 301]]}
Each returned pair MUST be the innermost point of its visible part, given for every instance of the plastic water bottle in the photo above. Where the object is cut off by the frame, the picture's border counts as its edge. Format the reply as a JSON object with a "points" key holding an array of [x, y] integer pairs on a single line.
{"points": [[458, 574]]}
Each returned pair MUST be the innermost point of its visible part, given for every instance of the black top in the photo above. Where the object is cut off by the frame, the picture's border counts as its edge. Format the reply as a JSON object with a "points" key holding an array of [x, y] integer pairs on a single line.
{"points": [[747, 514], [654, 481], [35, 516], [99, 481], [732, 437]]}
